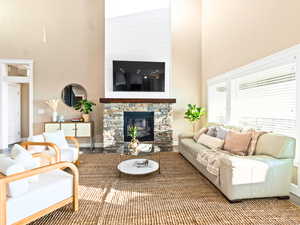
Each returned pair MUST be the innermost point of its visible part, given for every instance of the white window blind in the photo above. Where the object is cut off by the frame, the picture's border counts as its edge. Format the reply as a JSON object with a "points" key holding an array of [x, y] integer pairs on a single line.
{"points": [[217, 95], [266, 100]]}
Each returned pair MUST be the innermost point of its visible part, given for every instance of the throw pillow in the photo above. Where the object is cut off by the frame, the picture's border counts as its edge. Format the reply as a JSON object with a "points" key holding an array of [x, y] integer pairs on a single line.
{"points": [[10, 167], [237, 143], [211, 142], [221, 132], [22, 157], [198, 133], [36, 138], [254, 139], [57, 138], [212, 131]]}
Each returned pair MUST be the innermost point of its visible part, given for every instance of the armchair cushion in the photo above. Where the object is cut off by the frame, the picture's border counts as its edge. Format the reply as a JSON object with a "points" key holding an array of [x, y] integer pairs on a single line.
{"points": [[53, 187], [67, 154], [10, 167], [36, 138], [57, 138]]}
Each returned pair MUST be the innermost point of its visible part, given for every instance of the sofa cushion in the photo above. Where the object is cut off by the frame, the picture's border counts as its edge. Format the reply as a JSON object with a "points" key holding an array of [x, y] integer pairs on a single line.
{"points": [[57, 138], [275, 145], [8, 167], [53, 187], [193, 148], [36, 138], [211, 142], [203, 130], [67, 154], [237, 143]]}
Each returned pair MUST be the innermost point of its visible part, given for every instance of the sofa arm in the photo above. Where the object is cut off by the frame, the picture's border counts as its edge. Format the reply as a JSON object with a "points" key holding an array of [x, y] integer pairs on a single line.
{"points": [[186, 135], [18, 176], [258, 175]]}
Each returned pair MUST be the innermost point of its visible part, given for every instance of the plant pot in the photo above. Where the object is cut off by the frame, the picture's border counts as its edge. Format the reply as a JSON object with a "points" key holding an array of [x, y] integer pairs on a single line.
{"points": [[86, 117]]}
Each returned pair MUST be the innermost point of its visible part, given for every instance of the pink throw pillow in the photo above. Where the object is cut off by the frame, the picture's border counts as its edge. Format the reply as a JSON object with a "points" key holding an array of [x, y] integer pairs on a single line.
{"points": [[237, 143]]}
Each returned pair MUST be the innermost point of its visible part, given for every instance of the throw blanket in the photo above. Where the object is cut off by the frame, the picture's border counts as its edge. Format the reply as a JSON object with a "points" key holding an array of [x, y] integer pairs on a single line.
{"points": [[211, 160]]}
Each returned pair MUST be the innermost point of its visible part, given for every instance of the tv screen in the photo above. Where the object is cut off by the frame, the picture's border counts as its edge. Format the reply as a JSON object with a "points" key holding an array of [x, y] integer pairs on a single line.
{"points": [[138, 76]]}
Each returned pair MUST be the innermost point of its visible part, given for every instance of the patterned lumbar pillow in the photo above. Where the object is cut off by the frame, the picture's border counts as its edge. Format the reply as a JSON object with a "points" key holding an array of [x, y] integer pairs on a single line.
{"points": [[253, 142], [221, 132], [199, 132], [212, 131], [211, 142]]}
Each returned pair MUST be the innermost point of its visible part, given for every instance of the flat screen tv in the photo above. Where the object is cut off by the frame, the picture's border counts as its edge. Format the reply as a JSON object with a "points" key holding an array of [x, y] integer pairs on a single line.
{"points": [[138, 76]]}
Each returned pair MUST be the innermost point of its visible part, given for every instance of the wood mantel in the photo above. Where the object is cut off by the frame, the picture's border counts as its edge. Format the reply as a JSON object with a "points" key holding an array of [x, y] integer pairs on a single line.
{"points": [[137, 100]]}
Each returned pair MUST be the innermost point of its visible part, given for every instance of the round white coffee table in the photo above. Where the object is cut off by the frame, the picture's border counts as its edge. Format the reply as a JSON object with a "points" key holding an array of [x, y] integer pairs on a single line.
{"points": [[130, 167]]}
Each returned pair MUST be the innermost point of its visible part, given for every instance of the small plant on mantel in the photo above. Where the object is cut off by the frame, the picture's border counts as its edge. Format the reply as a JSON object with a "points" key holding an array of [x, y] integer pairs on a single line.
{"points": [[194, 114], [133, 133], [85, 106]]}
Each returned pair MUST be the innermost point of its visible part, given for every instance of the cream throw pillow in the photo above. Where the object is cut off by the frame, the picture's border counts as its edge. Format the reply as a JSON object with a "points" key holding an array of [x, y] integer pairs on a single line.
{"points": [[22, 157], [199, 132], [211, 142], [8, 167]]}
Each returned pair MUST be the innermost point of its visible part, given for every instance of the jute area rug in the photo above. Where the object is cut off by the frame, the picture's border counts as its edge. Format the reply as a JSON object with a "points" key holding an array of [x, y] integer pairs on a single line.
{"points": [[179, 195]]}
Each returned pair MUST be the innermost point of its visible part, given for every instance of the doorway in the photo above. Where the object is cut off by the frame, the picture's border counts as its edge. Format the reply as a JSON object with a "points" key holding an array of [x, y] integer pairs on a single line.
{"points": [[14, 115]]}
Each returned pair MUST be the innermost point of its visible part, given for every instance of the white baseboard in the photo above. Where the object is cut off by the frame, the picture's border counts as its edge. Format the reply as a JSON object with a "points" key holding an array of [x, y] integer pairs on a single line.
{"points": [[88, 145], [294, 189]]}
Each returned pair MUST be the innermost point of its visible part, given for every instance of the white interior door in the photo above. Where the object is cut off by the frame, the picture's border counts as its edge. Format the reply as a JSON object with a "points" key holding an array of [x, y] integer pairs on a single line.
{"points": [[14, 115]]}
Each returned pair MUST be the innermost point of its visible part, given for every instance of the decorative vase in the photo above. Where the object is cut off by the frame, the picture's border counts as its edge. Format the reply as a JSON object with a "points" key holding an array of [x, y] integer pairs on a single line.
{"points": [[134, 143], [86, 117], [54, 117]]}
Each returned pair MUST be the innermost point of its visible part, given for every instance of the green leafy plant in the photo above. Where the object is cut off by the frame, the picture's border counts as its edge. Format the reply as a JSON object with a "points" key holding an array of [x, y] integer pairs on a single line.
{"points": [[194, 114], [85, 106], [133, 132]]}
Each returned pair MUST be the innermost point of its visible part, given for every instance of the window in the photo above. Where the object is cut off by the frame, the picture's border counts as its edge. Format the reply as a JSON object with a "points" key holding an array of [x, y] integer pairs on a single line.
{"points": [[265, 100], [217, 95]]}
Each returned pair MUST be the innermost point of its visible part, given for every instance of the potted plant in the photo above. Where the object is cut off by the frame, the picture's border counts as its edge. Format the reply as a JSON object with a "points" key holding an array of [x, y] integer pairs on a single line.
{"points": [[133, 132], [194, 114], [85, 106]]}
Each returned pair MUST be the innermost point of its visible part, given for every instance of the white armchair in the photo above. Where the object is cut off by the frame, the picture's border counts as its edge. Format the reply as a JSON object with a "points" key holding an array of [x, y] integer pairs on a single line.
{"points": [[55, 188], [55, 145]]}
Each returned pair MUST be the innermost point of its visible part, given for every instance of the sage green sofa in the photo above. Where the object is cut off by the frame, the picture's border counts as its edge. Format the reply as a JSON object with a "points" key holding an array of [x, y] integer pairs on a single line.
{"points": [[267, 173]]}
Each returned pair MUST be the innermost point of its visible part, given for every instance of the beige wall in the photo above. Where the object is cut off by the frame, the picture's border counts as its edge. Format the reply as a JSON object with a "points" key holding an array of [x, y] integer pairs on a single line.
{"points": [[74, 51], [186, 58], [237, 32]]}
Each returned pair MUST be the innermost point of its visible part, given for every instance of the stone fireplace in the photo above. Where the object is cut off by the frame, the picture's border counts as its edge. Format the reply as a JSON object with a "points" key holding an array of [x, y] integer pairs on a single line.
{"points": [[153, 117]]}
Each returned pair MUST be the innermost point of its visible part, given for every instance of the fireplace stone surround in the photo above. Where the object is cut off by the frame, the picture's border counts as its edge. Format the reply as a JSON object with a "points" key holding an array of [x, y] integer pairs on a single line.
{"points": [[113, 119]]}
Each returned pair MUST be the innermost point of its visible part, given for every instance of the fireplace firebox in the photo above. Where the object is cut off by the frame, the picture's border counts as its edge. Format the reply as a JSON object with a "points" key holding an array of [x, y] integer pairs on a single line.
{"points": [[144, 121]]}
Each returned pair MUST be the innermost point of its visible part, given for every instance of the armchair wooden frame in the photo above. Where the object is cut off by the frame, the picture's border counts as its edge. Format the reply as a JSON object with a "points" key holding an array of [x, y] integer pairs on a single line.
{"points": [[4, 180], [54, 146], [47, 144]]}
